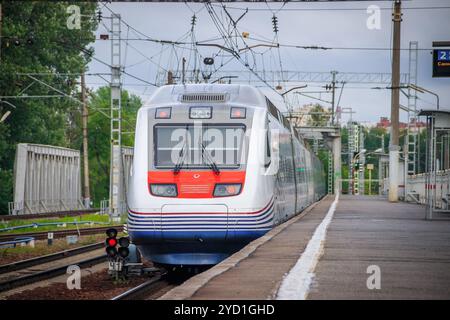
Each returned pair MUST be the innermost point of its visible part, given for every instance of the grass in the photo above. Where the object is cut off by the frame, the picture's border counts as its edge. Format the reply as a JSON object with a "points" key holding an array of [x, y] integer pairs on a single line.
{"points": [[94, 217], [8, 255]]}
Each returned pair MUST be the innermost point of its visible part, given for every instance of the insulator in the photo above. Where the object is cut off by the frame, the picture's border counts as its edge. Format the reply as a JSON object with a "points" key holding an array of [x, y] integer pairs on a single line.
{"points": [[193, 21], [275, 24]]}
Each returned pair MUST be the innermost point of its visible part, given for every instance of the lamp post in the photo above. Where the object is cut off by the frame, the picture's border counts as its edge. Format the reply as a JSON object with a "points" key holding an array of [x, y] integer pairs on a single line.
{"points": [[423, 90]]}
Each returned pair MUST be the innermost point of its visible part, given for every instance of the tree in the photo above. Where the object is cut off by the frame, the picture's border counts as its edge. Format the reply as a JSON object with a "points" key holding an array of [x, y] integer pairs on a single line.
{"points": [[319, 116], [36, 39], [99, 137]]}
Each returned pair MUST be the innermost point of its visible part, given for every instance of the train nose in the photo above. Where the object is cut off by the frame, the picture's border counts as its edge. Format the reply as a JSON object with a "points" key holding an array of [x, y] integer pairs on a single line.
{"points": [[199, 223]]}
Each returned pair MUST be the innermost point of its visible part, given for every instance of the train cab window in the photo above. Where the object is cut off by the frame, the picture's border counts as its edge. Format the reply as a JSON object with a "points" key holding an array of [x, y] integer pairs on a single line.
{"points": [[196, 147]]}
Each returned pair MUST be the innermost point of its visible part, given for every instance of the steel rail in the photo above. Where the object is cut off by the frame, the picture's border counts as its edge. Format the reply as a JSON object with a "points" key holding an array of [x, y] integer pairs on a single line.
{"points": [[47, 274], [22, 264], [141, 289]]}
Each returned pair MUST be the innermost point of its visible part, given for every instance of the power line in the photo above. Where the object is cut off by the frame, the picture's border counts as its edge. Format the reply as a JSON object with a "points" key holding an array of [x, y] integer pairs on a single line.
{"points": [[287, 45], [337, 9], [216, 22]]}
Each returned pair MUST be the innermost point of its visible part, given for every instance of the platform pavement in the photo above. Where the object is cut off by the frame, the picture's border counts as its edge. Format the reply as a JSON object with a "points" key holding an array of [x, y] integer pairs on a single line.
{"points": [[413, 256]]}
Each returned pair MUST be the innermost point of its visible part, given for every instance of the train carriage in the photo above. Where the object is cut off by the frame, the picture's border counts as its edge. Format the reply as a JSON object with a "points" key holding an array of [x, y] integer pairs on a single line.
{"points": [[215, 167]]}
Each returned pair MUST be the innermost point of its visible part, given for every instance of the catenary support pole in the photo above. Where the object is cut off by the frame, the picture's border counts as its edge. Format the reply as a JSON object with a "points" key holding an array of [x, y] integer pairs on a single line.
{"points": [[395, 106]]}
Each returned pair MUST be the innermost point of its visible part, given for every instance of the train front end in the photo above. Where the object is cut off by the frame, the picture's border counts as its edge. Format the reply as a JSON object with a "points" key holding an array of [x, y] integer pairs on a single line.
{"points": [[192, 198]]}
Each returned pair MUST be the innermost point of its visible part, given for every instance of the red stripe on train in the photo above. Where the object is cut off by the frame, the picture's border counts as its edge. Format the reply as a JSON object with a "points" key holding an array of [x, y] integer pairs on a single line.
{"points": [[196, 184]]}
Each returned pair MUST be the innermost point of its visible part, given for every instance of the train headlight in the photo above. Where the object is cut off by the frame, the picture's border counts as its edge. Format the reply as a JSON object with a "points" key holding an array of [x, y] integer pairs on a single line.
{"points": [[200, 112], [164, 190], [226, 190], [237, 113]]}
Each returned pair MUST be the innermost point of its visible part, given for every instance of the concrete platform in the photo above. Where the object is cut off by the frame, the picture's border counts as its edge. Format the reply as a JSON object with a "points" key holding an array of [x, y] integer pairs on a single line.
{"points": [[413, 256]]}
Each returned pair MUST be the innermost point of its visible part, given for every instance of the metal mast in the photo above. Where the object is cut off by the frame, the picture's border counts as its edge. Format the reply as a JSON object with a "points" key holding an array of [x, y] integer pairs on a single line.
{"points": [[395, 106], [362, 162], [412, 109], [116, 119]]}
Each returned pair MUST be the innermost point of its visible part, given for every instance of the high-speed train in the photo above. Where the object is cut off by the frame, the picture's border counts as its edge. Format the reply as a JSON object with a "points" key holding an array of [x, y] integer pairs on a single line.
{"points": [[215, 166]]}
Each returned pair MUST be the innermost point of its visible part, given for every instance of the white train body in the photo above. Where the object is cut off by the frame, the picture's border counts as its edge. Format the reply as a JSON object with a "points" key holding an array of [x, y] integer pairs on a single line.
{"points": [[252, 172]]}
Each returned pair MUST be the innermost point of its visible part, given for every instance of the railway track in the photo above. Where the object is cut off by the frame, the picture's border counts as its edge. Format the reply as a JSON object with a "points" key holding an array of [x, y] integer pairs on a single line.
{"points": [[39, 275], [41, 235], [155, 286], [139, 292], [22, 264]]}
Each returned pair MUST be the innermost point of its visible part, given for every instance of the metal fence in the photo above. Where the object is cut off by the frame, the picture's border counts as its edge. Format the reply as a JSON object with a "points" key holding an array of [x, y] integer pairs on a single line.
{"points": [[127, 162], [418, 185], [46, 179]]}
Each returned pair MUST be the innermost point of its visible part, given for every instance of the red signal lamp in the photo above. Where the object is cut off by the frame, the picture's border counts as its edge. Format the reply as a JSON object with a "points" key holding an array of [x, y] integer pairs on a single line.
{"points": [[111, 242]]}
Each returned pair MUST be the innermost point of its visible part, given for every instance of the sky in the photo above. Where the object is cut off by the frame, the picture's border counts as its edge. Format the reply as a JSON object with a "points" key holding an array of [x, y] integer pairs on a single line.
{"points": [[335, 25]]}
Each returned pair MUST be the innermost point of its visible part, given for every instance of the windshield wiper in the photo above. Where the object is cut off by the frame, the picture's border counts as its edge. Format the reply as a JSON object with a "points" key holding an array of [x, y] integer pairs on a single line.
{"points": [[212, 165], [180, 160]]}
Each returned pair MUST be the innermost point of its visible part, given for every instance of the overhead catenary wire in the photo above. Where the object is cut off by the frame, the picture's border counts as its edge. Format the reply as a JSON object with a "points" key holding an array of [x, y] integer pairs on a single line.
{"points": [[336, 9], [216, 22]]}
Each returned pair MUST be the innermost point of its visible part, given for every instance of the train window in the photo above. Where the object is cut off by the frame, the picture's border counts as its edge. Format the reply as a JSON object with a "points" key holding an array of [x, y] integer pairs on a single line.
{"points": [[296, 134], [267, 154], [272, 109], [286, 123], [186, 144]]}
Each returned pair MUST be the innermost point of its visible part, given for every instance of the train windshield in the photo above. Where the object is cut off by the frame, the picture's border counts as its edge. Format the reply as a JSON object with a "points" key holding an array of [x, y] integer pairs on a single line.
{"points": [[197, 146]]}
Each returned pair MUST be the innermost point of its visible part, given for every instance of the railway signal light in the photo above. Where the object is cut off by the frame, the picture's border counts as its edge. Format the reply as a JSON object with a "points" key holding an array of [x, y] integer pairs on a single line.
{"points": [[111, 242], [111, 251], [124, 242], [111, 233], [124, 252]]}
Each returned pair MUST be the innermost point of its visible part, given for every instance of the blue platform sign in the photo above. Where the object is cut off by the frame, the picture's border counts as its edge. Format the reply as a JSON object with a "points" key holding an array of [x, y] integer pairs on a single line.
{"points": [[441, 63]]}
